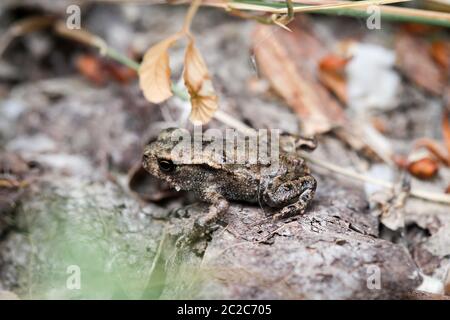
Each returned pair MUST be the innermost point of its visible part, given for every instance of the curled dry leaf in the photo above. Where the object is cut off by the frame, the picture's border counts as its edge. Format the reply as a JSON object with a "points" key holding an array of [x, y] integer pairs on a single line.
{"points": [[425, 168], [154, 73], [434, 148], [199, 85], [283, 58]]}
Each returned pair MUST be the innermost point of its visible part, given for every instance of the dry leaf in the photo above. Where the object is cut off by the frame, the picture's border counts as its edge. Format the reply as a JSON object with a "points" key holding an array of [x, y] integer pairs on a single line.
{"points": [[336, 83], [277, 53], [333, 63], [425, 168], [199, 85], [414, 61], [389, 205], [100, 71], [119, 73], [446, 133], [154, 73], [434, 148], [440, 52], [418, 28], [91, 67]]}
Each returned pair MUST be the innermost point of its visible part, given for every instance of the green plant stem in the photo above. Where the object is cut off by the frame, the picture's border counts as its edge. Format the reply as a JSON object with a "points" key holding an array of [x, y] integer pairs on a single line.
{"points": [[398, 17], [123, 59]]}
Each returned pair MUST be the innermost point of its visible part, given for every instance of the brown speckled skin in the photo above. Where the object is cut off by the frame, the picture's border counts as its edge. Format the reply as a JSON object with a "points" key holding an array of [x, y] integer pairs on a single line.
{"points": [[290, 188]]}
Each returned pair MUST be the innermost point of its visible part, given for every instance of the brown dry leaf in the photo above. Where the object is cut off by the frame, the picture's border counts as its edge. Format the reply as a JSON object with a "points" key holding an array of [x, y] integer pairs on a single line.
{"points": [[446, 133], [414, 60], [435, 148], [336, 83], [91, 67], [333, 63], [418, 28], [440, 52], [199, 85], [119, 73], [154, 73], [332, 75], [277, 53], [425, 168]]}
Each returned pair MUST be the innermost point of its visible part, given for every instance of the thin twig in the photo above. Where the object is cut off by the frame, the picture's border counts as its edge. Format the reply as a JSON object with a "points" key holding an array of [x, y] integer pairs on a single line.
{"points": [[23, 27], [422, 194], [195, 4], [308, 8]]}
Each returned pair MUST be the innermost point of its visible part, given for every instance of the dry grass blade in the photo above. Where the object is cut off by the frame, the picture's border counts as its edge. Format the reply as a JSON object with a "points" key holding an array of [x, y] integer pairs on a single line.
{"points": [[421, 194], [308, 8], [80, 35], [23, 27], [199, 85], [154, 73], [387, 12]]}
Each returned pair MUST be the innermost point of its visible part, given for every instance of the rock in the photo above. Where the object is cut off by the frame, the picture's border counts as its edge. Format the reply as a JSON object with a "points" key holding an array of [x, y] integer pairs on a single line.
{"points": [[95, 228], [331, 252]]}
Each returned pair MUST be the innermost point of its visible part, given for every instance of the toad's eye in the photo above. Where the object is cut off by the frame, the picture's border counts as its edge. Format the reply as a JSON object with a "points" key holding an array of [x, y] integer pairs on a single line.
{"points": [[166, 165]]}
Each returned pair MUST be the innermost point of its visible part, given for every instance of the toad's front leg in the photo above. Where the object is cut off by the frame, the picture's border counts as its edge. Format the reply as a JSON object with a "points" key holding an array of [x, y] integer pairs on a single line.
{"points": [[204, 225], [292, 196]]}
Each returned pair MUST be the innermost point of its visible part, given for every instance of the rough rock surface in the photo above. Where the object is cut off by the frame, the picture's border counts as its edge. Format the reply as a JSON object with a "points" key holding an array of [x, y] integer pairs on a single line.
{"points": [[329, 253]]}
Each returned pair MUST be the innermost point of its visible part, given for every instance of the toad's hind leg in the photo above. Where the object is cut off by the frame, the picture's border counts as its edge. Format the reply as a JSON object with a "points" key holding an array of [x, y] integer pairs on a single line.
{"points": [[292, 196]]}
